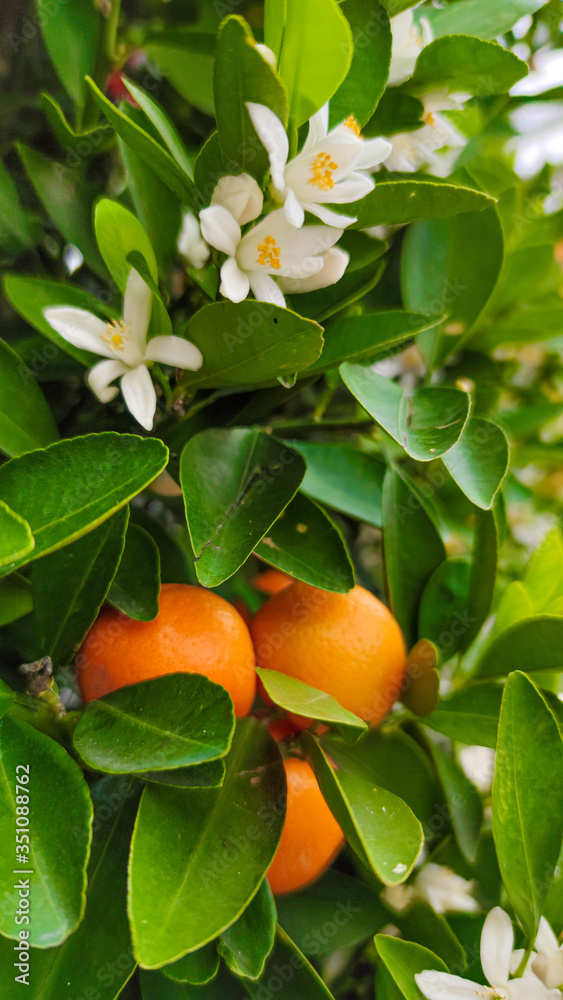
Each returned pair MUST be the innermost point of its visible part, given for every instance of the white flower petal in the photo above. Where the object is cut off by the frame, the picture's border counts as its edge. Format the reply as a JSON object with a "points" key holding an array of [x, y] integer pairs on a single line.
{"points": [[267, 54], [427, 33], [531, 988], [240, 195], [190, 244], [100, 376], [318, 128], [355, 186], [548, 966], [264, 288], [273, 137], [335, 262], [546, 939], [234, 282], [442, 986], [139, 395], [497, 942], [175, 351], [137, 308], [80, 328], [220, 229], [374, 152], [293, 209], [329, 217]]}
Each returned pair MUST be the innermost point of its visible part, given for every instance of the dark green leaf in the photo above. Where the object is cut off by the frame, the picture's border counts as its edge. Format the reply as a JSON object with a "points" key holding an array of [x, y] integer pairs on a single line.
{"points": [[366, 337], [185, 57], [529, 644], [464, 803], [136, 586], [197, 968], [326, 302], [15, 598], [71, 36], [482, 577], [15, 223], [469, 715], [167, 131], [442, 611], [7, 697], [300, 978], [395, 202], [397, 111], [26, 421], [246, 944], [16, 540], [208, 775], [461, 62], [479, 461], [300, 698], [349, 480], [367, 76], [404, 959]]}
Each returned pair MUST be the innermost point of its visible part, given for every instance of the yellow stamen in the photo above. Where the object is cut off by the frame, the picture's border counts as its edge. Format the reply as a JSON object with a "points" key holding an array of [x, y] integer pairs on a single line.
{"points": [[429, 119], [269, 253], [351, 124], [322, 169], [117, 335]]}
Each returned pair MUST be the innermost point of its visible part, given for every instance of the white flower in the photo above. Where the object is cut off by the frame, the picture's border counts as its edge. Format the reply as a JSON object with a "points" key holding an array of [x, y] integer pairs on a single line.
{"points": [[273, 247], [240, 195], [335, 262], [497, 940], [124, 344], [190, 244], [326, 171], [547, 961], [444, 890], [409, 39], [411, 150]]}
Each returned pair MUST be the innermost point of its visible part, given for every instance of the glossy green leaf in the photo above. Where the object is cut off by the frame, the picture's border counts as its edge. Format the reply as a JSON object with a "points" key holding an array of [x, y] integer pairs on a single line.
{"points": [[325, 302], [529, 644], [315, 56], [367, 76], [300, 979], [542, 577], [159, 724], [479, 461], [71, 36], [135, 588], [482, 577], [185, 57], [527, 798], [377, 824], [344, 478], [464, 803], [167, 131], [196, 968], [15, 598], [302, 699], [397, 111], [236, 483], [461, 62], [423, 926], [16, 223], [274, 20], [175, 565], [306, 543], [99, 951], [16, 540], [395, 202], [175, 906], [246, 944], [426, 423], [77, 484], [163, 164], [249, 343], [211, 774], [367, 337], [7, 697], [412, 548], [26, 421], [514, 605], [442, 611], [119, 232], [403, 960], [479, 17], [70, 585], [469, 715], [59, 839], [241, 74]]}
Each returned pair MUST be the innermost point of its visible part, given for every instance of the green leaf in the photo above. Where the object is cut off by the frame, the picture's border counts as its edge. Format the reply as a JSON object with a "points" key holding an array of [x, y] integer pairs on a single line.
{"points": [[344, 478], [73, 485], [514, 605], [275, 12], [7, 697], [236, 483], [185, 57], [70, 585], [529, 644], [159, 724], [306, 543], [396, 112], [71, 35], [469, 715], [118, 232], [461, 62], [442, 611], [136, 586], [16, 223], [479, 17], [167, 131], [464, 803], [248, 343], [479, 461], [241, 74], [99, 951], [528, 777], [412, 547], [15, 598], [300, 979], [176, 906], [426, 422], [542, 577], [246, 944], [377, 824], [315, 56], [26, 421], [59, 838], [302, 699], [163, 164], [395, 202], [360, 92], [16, 540], [326, 302], [364, 338], [482, 577], [197, 968], [67, 199], [211, 774], [423, 926], [404, 959]]}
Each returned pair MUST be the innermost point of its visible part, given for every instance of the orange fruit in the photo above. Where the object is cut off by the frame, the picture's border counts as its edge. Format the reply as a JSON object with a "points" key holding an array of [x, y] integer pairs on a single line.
{"points": [[311, 837], [271, 581], [195, 631], [348, 645]]}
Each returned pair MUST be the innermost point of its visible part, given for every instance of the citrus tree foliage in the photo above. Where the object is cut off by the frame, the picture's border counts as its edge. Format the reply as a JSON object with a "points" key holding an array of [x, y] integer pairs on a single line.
{"points": [[282, 287]]}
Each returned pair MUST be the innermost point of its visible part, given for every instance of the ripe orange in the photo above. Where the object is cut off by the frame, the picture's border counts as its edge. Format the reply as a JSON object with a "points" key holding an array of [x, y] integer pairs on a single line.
{"points": [[271, 581], [348, 645], [311, 837], [195, 631]]}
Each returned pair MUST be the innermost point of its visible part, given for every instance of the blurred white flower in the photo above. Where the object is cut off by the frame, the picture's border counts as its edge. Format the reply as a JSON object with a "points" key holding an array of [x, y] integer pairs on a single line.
{"points": [[445, 891], [547, 960], [124, 344], [190, 244], [412, 150], [273, 247], [335, 262], [326, 171], [478, 764], [540, 126], [409, 39]]}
